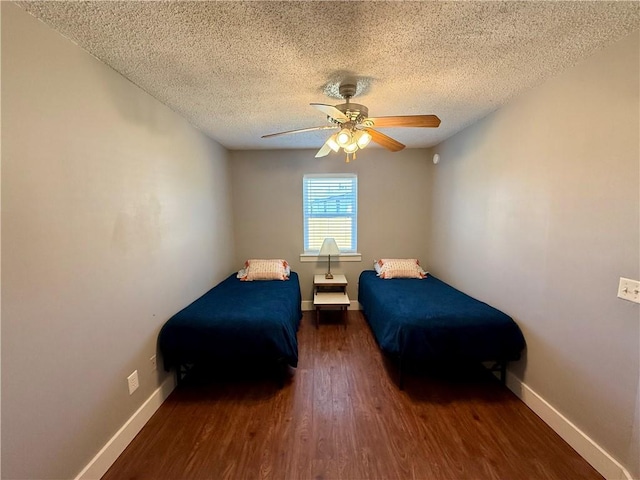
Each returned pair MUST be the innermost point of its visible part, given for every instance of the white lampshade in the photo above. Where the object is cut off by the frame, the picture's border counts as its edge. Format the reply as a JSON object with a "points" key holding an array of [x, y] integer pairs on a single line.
{"points": [[351, 148], [332, 143], [329, 247], [344, 137], [363, 138]]}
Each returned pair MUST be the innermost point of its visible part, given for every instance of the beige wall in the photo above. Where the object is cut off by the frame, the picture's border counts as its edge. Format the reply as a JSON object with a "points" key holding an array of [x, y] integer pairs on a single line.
{"points": [[267, 207], [114, 215], [535, 210]]}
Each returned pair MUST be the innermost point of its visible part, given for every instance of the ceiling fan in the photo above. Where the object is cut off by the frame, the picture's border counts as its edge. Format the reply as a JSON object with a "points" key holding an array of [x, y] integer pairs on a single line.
{"points": [[356, 127]]}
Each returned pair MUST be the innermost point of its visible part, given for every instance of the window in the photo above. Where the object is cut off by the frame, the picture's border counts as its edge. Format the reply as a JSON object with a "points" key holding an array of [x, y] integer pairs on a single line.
{"points": [[330, 206]]}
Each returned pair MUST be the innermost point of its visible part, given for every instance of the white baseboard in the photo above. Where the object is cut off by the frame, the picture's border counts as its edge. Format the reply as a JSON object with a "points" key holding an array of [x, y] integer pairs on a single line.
{"points": [[599, 459], [99, 465], [307, 305]]}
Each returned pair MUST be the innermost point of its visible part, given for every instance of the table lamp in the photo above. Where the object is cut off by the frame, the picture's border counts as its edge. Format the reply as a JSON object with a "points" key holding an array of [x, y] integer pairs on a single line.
{"points": [[329, 247]]}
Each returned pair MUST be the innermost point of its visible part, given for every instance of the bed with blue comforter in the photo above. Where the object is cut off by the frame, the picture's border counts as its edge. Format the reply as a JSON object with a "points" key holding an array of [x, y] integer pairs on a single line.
{"points": [[417, 320], [237, 321]]}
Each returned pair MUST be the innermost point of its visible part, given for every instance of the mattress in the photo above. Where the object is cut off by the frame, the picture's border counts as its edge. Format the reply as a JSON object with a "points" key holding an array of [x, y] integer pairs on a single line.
{"points": [[427, 319], [236, 320]]}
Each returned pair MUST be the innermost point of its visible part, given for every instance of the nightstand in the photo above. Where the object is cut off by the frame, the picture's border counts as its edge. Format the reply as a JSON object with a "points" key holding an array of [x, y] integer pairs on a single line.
{"points": [[330, 293]]}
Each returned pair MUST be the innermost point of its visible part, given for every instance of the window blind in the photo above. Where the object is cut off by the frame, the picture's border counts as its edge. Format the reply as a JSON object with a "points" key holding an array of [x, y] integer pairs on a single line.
{"points": [[330, 206]]}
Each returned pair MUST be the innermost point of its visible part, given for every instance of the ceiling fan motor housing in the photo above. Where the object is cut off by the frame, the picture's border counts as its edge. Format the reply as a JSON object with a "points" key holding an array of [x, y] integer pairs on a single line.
{"points": [[356, 112]]}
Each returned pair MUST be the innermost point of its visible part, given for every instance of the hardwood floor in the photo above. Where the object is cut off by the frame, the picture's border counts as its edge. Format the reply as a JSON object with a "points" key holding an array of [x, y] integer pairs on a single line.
{"points": [[342, 416]]}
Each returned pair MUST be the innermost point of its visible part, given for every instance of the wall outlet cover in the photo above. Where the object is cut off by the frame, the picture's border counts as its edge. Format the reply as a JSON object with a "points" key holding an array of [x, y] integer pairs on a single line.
{"points": [[629, 290], [133, 382]]}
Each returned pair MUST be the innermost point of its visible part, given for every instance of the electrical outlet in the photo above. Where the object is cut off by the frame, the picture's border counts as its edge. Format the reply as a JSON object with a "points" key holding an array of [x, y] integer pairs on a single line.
{"points": [[629, 290], [133, 382], [154, 363]]}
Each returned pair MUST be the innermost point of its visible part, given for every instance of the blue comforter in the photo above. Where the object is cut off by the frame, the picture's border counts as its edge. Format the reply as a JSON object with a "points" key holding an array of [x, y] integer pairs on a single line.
{"points": [[427, 319], [236, 320]]}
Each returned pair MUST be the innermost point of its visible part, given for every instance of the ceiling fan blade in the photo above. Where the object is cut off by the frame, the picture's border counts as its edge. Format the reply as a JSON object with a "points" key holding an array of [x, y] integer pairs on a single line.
{"points": [[310, 129], [384, 140], [324, 151], [328, 146], [406, 121], [331, 111]]}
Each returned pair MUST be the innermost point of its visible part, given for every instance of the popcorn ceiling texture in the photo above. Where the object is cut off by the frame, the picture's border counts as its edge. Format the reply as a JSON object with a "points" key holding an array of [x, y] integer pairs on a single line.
{"points": [[239, 70]]}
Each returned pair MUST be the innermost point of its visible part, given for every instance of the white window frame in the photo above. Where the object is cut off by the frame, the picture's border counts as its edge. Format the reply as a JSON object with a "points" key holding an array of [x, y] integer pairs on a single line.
{"points": [[348, 253]]}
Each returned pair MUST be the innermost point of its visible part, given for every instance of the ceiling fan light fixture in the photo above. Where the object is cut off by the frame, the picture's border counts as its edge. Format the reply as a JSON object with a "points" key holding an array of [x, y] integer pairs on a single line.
{"points": [[344, 137], [363, 138]]}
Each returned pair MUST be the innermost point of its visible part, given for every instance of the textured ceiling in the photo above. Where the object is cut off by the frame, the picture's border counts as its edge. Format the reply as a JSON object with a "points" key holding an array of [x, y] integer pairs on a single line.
{"points": [[239, 70]]}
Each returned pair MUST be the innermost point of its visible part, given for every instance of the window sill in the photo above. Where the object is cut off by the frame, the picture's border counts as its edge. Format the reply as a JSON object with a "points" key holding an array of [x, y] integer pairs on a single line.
{"points": [[343, 257]]}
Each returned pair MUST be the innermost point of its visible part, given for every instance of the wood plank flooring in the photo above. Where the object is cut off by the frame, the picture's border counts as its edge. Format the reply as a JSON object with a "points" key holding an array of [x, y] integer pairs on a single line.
{"points": [[342, 416]]}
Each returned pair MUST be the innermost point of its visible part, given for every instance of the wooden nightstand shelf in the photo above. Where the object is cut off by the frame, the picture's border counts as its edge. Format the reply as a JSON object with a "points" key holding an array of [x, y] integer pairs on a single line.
{"points": [[330, 293]]}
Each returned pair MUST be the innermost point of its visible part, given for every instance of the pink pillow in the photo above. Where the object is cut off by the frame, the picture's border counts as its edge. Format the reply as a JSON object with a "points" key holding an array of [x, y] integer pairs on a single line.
{"points": [[272, 269], [400, 268]]}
